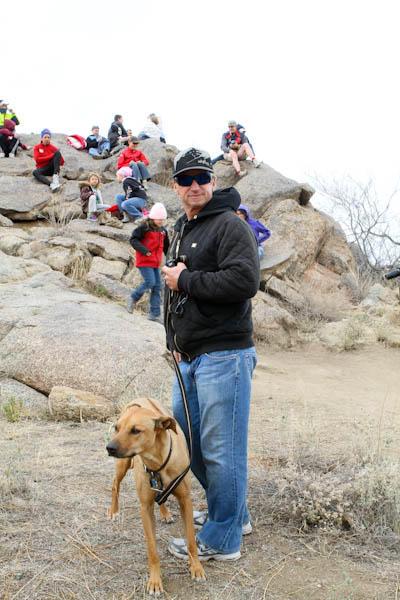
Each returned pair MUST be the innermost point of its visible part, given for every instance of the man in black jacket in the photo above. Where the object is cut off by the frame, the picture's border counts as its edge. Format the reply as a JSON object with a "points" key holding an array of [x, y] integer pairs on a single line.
{"points": [[209, 330], [117, 134]]}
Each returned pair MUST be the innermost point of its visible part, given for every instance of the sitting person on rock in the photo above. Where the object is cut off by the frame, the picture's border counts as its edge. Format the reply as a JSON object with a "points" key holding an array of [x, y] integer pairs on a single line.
{"points": [[97, 145], [132, 202], [91, 199], [7, 113], [48, 160], [135, 160], [261, 232], [117, 134], [150, 240], [152, 129], [9, 140], [235, 145]]}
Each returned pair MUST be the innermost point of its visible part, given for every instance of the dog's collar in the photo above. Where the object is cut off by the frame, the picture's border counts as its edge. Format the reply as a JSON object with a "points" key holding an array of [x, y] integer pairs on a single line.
{"points": [[155, 480]]}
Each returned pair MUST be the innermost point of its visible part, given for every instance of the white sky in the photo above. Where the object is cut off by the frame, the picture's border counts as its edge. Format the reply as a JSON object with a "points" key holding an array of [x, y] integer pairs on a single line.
{"points": [[315, 82]]}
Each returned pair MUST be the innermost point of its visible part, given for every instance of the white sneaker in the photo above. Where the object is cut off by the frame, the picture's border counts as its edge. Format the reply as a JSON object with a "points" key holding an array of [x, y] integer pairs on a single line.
{"points": [[178, 547], [2, 155], [55, 183], [144, 184], [256, 163], [242, 173], [11, 155]]}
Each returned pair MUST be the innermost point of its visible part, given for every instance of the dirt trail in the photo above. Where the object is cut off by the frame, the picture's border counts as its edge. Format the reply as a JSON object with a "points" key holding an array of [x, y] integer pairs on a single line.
{"points": [[58, 544]]}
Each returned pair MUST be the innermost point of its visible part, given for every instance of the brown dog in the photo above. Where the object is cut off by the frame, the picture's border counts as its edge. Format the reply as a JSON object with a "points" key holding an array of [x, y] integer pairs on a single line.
{"points": [[145, 435]]}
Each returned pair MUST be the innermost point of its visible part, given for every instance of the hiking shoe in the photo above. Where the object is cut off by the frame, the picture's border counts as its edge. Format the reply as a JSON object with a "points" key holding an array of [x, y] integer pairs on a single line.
{"points": [[144, 184], [256, 163], [2, 155], [92, 217], [11, 155], [126, 218], [97, 156], [130, 304], [178, 547], [55, 184], [105, 154], [200, 517], [156, 319], [242, 173]]}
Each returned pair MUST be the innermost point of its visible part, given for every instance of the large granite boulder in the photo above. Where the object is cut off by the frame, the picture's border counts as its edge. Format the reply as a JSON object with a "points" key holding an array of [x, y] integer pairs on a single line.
{"points": [[56, 334], [161, 160], [22, 198], [14, 269]]}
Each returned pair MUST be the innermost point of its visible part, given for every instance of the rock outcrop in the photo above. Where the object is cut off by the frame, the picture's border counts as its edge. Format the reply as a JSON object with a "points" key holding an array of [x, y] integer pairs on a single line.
{"points": [[65, 280]]}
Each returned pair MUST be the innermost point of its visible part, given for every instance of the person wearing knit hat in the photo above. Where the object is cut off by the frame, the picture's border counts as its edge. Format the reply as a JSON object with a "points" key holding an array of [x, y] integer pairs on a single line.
{"points": [[48, 160], [150, 240], [158, 212], [134, 199]]}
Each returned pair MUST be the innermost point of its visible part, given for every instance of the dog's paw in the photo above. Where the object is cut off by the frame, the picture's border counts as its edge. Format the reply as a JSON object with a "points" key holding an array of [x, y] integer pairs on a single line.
{"points": [[154, 587], [168, 519], [198, 573]]}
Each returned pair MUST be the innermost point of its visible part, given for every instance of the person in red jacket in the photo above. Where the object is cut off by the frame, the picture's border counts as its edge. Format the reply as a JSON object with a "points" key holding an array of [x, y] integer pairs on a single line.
{"points": [[150, 240], [135, 160], [48, 160]]}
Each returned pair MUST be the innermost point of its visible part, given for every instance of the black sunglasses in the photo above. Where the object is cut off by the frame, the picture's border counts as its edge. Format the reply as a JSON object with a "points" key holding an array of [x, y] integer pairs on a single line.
{"points": [[187, 180]]}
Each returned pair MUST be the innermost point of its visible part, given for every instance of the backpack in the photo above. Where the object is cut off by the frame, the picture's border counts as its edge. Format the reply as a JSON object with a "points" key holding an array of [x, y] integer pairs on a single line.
{"points": [[76, 141]]}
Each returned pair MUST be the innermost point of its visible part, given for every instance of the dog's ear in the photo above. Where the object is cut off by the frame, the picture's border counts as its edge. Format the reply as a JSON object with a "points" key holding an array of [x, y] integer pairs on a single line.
{"points": [[165, 423]]}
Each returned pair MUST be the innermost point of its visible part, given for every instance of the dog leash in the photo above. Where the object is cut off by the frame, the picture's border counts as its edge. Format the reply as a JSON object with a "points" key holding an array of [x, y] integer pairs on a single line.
{"points": [[162, 496]]}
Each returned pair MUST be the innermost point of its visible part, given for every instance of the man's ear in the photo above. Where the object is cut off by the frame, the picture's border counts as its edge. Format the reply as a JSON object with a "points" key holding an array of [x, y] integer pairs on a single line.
{"points": [[165, 423]]}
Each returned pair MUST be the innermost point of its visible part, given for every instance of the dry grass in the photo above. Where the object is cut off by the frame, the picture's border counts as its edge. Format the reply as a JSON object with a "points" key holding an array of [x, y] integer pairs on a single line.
{"points": [[320, 306]]}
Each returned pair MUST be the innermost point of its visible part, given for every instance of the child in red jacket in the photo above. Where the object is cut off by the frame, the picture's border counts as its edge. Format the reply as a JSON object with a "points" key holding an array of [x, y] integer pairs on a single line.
{"points": [[48, 160], [150, 240], [135, 160]]}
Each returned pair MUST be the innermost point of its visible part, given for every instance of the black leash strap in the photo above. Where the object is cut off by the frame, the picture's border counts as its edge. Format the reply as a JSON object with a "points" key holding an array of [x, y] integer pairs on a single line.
{"points": [[162, 496]]}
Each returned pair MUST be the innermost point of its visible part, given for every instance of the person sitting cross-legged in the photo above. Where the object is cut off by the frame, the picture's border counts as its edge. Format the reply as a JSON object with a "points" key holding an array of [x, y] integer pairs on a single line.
{"points": [[132, 202], [48, 160]]}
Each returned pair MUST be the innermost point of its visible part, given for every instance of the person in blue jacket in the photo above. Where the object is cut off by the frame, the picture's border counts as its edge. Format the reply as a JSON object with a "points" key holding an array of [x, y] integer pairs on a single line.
{"points": [[260, 231]]}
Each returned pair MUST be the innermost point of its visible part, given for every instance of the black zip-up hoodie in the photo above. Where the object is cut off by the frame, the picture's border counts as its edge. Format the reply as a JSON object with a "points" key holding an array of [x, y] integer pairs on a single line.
{"points": [[223, 273]]}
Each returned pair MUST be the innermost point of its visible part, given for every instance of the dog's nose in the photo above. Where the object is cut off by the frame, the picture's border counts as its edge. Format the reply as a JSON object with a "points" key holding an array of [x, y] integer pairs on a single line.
{"points": [[112, 448]]}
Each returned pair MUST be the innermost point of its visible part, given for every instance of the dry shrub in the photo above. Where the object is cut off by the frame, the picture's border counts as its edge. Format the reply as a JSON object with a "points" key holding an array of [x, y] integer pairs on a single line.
{"points": [[320, 306], [352, 334], [79, 265], [358, 489]]}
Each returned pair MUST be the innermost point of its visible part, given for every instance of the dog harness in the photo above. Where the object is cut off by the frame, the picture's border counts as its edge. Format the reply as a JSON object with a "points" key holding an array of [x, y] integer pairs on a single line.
{"points": [[155, 479]]}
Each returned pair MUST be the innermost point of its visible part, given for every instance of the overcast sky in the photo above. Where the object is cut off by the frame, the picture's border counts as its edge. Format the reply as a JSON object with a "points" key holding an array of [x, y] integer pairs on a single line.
{"points": [[315, 82]]}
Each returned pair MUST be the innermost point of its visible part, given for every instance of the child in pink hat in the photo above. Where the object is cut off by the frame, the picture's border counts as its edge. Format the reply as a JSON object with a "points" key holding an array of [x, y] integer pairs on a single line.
{"points": [[150, 240]]}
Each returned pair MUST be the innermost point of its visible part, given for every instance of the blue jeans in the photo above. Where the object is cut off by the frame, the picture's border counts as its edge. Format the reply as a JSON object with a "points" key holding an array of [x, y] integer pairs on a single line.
{"points": [[133, 206], [104, 145], [139, 170], [260, 252], [152, 282], [143, 136], [218, 388]]}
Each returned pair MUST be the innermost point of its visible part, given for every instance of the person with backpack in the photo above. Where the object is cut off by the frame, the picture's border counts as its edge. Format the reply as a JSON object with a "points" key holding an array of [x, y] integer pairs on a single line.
{"points": [[48, 161], [235, 145], [150, 240], [97, 146], [135, 160], [261, 232], [132, 202]]}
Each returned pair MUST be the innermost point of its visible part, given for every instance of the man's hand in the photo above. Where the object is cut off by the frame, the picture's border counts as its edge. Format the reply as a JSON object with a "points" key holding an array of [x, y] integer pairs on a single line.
{"points": [[177, 355], [172, 275]]}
